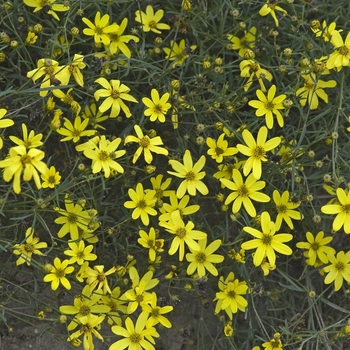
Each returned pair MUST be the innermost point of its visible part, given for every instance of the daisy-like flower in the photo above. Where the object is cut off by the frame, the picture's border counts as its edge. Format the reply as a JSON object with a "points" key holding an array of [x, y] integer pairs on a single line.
{"points": [[269, 105], [31, 38], [103, 155], [256, 150], [270, 8], [30, 140], [151, 242], [267, 242], [74, 68], [247, 42], [142, 202], [50, 178], [94, 116], [27, 249], [115, 93], [146, 145], [175, 204], [49, 5], [177, 52], [338, 270], [244, 192], [285, 209], [184, 234], [20, 161], [251, 69], [97, 278], [204, 258], [274, 344], [342, 209], [4, 123], [157, 107], [341, 55], [316, 248], [156, 312], [219, 149], [118, 40], [161, 188], [191, 174], [100, 29], [230, 298], [313, 89], [138, 336], [76, 131], [117, 307], [327, 31], [58, 274], [79, 253], [150, 20]]}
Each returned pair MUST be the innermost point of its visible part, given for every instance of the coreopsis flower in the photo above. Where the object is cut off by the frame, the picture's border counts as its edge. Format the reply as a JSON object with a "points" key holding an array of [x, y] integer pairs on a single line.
{"points": [[228, 329], [327, 31], [269, 105], [161, 188], [156, 312], [219, 149], [97, 278], [244, 192], [338, 270], [177, 52], [191, 174], [341, 55], [157, 107], [175, 204], [68, 98], [266, 242], [247, 42], [138, 336], [118, 39], [151, 242], [76, 131], [251, 69], [342, 209], [203, 259], [316, 247], [88, 326], [274, 344], [230, 298], [95, 116], [285, 209], [150, 20], [115, 93], [116, 305], [31, 38], [22, 162], [27, 249], [100, 29], [256, 150], [313, 89], [79, 253], [146, 145], [270, 8], [74, 68], [48, 6], [4, 123], [30, 140], [103, 154], [50, 178], [142, 202], [58, 274]]}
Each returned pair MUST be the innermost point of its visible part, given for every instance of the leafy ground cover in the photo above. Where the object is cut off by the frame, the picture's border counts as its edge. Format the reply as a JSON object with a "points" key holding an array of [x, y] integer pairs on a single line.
{"points": [[160, 157]]}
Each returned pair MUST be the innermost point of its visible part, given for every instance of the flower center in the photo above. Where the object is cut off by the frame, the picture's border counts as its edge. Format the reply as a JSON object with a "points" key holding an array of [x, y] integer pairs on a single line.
{"points": [[181, 232], [159, 193], [144, 142], [152, 24], [190, 176], [72, 218], [155, 313], [150, 243], [115, 94], [29, 248], [309, 85], [51, 180], [139, 298], [158, 109], [135, 338], [101, 277], [25, 159], [282, 209], [80, 255], [259, 152], [269, 105], [103, 156], [219, 151], [254, 67], [142, 204], [344, 50], [243, 191], [86, 328], [340, 266], [201, 257], [266, 239], [314, 246], [59, 273], [99, 30], [231, 294], [84, 310], [49, 71], [275, 344], [346, 208]]}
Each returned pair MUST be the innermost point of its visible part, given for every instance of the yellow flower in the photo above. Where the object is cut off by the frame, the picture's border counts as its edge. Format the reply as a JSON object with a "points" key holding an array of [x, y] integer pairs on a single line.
{"points": [[117, 307], [115, 93], [269, 105], [177, 52], [256, 150], [250, 69], [266, 242], [150, 20], [274, 344], [161, 188], [27, 249], [97, 278], [338, 270], [151, 242], [157, 107], [270, 8], [142, 203], [219, 149], [327, 31], [156, 312], [31, 38], [29, 141], [247, 42], [48, 6], [4, 123], [74, 68], [341, 55], [191, 174], [76, 131], [313, 89], [229, 298], [58, 274], [51, 178], [228, 329], [94, 116], [342, 209], [100, 29], [202, 259], [243, 192], [146, 145], [79, 253]]}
